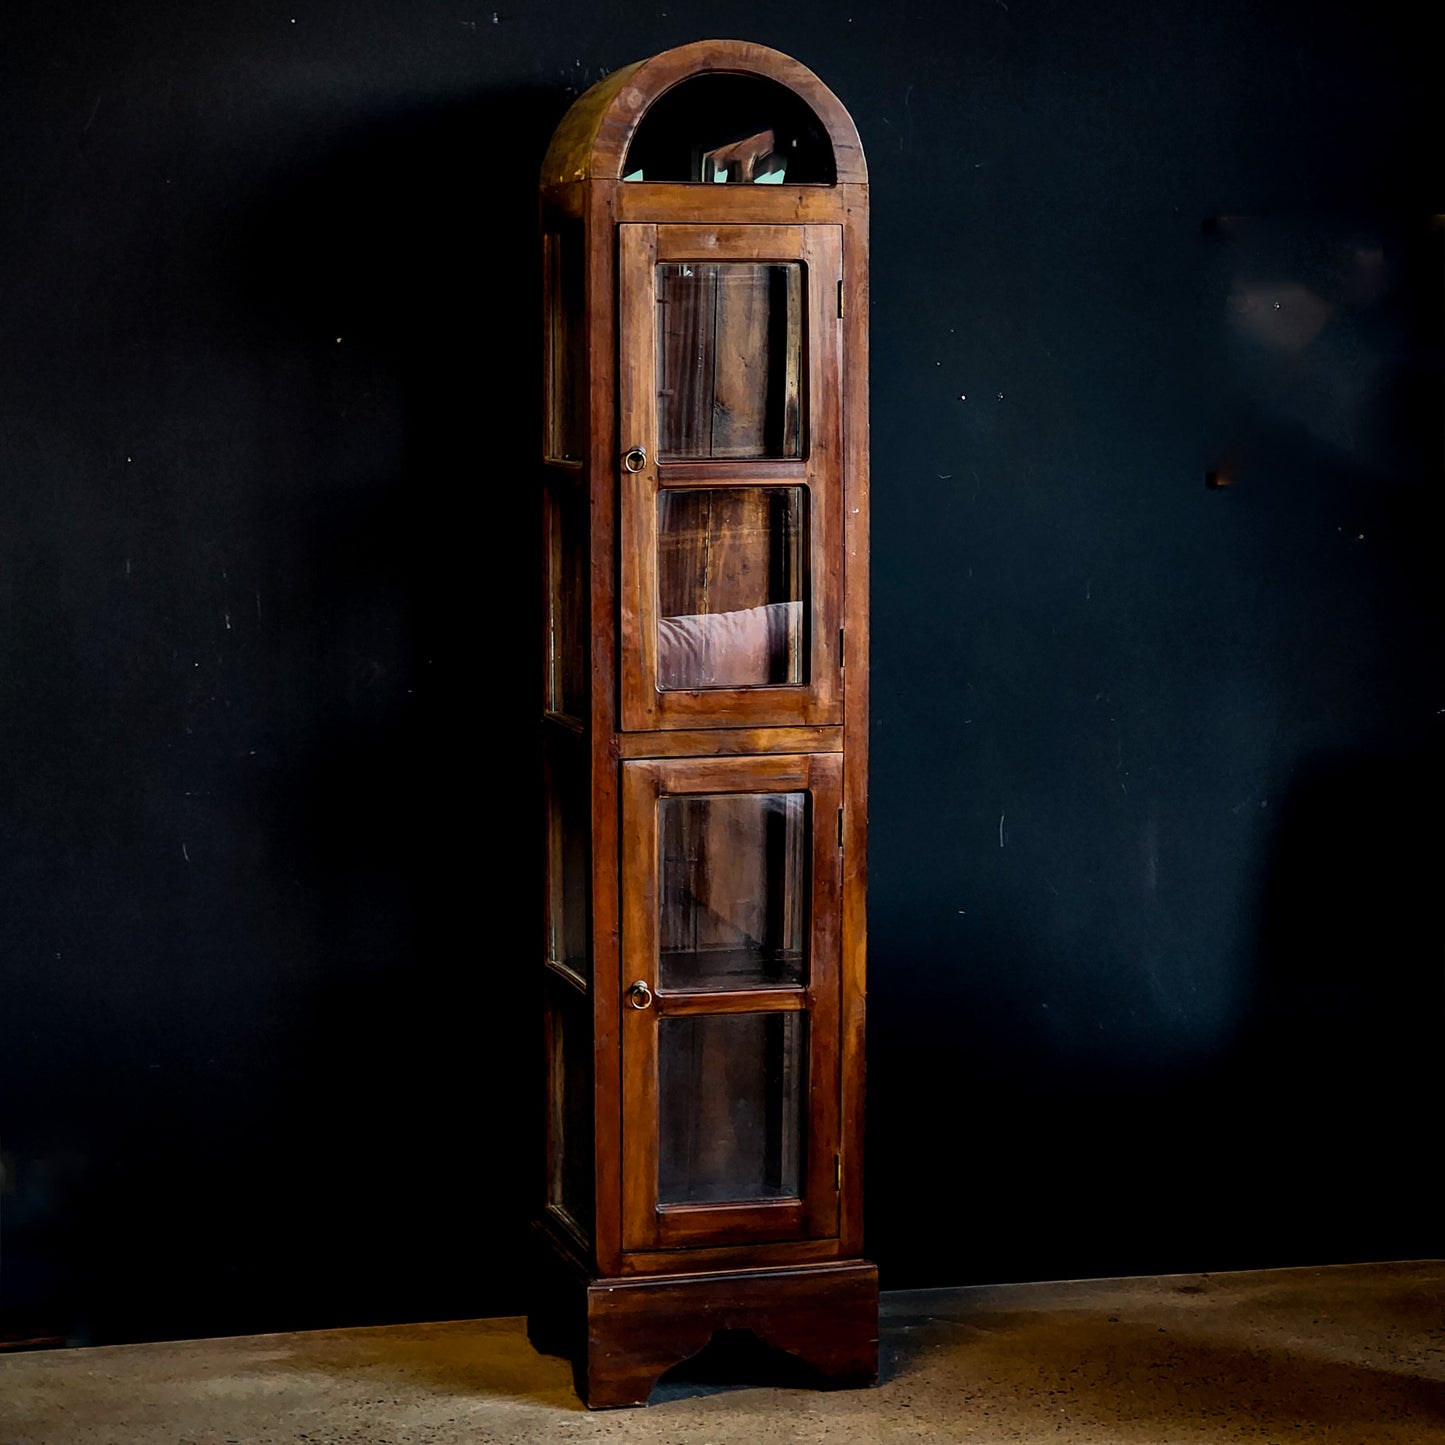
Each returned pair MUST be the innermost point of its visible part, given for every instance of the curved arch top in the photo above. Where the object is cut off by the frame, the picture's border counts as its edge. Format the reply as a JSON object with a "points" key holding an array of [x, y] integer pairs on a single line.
{"points": [[592, 140]]}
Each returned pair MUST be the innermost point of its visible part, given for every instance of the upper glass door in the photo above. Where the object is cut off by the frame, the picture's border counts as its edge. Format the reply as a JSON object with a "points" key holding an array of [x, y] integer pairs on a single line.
{"points": [[731, 521]]}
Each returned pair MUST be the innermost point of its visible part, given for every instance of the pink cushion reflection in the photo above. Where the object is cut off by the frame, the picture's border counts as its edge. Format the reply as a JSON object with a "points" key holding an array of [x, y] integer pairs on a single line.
{"points": [[749, 648]]}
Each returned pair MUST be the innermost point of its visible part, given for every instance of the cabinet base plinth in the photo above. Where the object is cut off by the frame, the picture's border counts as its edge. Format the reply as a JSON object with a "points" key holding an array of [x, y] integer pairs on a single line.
{"points": [[622, 1335]]}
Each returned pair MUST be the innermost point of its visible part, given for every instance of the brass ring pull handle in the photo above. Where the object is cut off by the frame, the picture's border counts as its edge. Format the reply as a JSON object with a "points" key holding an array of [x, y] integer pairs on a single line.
{"points": [[634, 461], [639, 995]]}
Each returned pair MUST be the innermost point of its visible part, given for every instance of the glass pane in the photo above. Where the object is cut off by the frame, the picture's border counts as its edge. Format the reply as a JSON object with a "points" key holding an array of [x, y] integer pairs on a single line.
{"points": [[731, 584], [567, 547], [570, 1097], [730, 1101], [729, 359], [734, 892], [567, 855], [566, 342], [712, 128]]}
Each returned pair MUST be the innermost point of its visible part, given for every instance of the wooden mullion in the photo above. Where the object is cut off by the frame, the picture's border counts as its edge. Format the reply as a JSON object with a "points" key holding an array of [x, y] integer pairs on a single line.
{"points": [[694, 1002], [772, 774], [730, 472], [729, 742]]}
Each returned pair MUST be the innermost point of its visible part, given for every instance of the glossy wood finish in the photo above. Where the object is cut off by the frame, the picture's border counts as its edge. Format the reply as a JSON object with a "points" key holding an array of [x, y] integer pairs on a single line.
{"points": [[637, 1287], [623, 1334]]}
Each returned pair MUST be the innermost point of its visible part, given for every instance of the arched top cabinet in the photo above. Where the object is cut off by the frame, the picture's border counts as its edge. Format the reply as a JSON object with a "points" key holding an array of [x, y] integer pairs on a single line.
{"points": [[705, 697], [711, 94]]}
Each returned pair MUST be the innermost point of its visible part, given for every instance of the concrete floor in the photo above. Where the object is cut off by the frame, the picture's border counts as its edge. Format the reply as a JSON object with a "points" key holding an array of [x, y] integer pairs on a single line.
{"points": [[1350, 1355]]}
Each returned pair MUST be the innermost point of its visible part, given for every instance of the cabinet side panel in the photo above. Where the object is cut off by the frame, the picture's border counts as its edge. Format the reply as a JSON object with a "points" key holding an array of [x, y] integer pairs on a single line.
{"points": [[569, 1103]]}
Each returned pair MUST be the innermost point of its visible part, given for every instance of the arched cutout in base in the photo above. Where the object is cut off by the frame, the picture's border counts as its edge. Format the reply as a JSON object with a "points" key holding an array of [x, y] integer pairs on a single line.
{"points": [[623, 1335], [735, 1359]]}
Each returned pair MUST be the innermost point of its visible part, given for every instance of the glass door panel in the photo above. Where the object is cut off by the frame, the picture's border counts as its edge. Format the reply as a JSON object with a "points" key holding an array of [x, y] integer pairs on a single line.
{"points": [[733, 905], [732, 586], [730, 1094], [569, 861], [729, 359], [569, 1122], [568, 652], [731, 518], [566, 342], [730, 1011]]}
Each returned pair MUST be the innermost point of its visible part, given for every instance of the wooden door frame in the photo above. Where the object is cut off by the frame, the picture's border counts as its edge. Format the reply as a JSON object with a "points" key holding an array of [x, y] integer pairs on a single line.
{"points": [[819, 472], [815, 1213]]}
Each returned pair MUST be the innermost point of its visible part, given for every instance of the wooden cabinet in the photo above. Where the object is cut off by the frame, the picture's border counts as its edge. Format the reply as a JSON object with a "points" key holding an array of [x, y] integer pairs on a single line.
{"points": [[704, 463]]}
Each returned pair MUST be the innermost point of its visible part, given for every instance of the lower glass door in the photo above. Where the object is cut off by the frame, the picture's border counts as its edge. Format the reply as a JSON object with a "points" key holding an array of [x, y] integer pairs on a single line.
{"points": [[730, 1004]]}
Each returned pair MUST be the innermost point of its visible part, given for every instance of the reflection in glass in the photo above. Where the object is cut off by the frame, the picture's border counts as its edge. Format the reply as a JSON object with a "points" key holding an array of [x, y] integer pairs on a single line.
{"points": [[569, 1067], [566, 341], [731, 575], [567, 548], [567, 855], [729, 359], [730, 1101], [733, 894]]}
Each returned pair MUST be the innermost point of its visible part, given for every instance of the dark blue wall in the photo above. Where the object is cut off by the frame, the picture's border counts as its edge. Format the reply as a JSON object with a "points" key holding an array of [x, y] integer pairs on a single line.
{"points": [[1155, 839]]}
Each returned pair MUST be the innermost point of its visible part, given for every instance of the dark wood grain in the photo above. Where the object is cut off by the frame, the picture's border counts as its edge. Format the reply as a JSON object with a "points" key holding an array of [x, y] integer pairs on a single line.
{"points": [[740, 205], [722, 742]]}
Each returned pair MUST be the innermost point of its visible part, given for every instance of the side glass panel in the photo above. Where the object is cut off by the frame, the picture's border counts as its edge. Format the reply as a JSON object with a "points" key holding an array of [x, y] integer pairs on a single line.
{"points": [[729, 359], [731, 1101], [734, 890], [567, 856], [565, 340], [732, 583], [567, 546], [570, 1185]]}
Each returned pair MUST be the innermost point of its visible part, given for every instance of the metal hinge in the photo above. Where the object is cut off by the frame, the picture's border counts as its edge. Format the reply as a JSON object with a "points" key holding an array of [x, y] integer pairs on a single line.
{"points": [[840, 827], [840, 296], [838, 1172], [840, 647]]}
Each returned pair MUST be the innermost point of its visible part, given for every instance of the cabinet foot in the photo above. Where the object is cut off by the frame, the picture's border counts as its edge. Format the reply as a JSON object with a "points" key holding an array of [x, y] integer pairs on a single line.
{"points": [[623, 1335]]}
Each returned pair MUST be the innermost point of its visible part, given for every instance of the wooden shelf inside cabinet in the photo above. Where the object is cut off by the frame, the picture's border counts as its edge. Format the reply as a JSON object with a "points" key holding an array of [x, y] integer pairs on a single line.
{"points": [[705, 702]]}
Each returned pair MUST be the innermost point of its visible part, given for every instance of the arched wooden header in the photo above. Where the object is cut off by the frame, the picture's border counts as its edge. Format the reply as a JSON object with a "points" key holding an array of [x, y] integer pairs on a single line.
{"points": [[592, 140]]}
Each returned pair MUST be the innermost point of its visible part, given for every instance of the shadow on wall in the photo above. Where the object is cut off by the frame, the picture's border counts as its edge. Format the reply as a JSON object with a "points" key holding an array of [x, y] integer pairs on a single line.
{"points": [[331, 1134], [412, 807]]}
